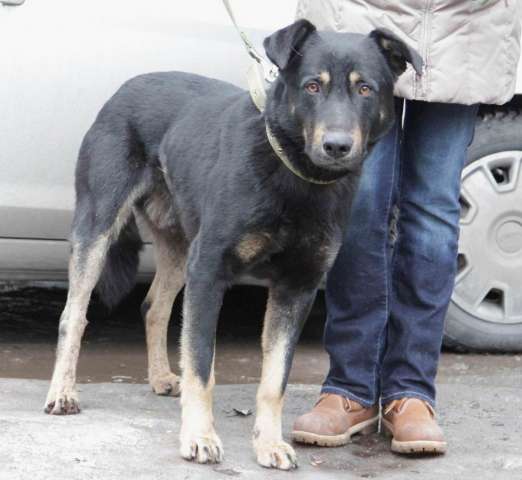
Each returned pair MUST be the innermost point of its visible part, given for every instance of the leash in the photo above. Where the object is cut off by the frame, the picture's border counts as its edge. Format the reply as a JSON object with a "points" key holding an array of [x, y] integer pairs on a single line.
{"points": [[259, 74], [270, 71]]}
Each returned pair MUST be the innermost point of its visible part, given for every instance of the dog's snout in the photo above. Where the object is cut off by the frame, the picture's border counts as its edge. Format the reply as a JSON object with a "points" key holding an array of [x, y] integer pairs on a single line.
{"points": [[337, 144]]}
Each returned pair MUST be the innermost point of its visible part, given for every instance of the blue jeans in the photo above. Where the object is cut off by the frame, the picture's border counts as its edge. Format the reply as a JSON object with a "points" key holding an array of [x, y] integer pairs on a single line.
{"points": [[389, 289]]}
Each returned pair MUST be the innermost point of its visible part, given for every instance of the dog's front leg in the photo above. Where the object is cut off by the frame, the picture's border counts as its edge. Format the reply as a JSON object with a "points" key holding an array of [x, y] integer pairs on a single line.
{"points": [[285, 315], [202, 302]]}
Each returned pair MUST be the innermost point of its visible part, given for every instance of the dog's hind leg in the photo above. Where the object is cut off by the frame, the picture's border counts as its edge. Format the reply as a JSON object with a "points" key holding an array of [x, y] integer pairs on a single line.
{"points": [[203, 297], [170, 253], [285, 315], [85, 266], [103, 217]]}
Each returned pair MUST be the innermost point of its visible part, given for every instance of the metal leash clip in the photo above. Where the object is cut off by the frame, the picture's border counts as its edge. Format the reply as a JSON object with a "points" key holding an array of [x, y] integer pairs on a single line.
{"points": [[268, 70]]}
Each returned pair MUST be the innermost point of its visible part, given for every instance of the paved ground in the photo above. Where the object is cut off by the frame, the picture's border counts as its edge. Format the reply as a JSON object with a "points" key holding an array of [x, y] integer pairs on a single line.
{"points": [[125, 431]]}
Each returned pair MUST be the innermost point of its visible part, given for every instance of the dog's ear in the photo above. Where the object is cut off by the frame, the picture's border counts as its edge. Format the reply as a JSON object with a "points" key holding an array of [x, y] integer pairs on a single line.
{"points": [[284, 44], [396, 51]]}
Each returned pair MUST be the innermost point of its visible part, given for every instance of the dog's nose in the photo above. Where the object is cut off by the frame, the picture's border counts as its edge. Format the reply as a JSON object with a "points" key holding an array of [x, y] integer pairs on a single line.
{"points": [[337, 144]]}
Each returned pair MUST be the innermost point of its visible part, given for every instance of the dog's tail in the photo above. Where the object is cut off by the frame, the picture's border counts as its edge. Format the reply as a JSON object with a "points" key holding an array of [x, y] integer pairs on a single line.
{"points": [[121, 266]]}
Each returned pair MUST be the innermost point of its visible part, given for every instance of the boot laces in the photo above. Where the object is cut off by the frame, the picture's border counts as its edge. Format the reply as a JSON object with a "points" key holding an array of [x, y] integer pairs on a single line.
{"points": [[347, 405], [398, 405]]}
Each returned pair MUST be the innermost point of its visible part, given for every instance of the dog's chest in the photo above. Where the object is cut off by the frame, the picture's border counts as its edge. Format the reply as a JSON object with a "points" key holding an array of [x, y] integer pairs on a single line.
{"points": [[287, 251]]}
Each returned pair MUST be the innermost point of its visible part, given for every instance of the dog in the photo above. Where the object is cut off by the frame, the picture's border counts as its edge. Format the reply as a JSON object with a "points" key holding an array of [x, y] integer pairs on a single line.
{"points": [[193, 158]]}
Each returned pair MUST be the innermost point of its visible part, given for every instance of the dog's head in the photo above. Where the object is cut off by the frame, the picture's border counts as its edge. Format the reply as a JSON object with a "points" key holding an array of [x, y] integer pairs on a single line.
{"points": [[338, 89]]}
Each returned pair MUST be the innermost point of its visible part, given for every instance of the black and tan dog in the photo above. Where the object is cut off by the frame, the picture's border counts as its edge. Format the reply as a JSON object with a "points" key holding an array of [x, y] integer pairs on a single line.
{"points": [[191, 156]]}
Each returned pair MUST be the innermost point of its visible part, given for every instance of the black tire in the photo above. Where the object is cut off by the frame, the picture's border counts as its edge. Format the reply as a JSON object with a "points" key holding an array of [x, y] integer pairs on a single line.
{"points": [[495, 132]]}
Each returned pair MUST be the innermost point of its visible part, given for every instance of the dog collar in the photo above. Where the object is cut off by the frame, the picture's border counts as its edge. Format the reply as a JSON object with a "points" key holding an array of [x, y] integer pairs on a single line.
{"points": [[256, 87]]}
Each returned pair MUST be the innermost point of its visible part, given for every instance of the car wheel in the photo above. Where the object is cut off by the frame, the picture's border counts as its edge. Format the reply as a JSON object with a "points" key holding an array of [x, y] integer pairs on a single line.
{"points": [[485, 312]]}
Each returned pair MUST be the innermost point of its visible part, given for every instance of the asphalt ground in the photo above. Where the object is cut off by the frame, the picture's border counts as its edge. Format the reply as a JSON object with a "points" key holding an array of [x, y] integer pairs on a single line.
{"points": [[124, 430]]}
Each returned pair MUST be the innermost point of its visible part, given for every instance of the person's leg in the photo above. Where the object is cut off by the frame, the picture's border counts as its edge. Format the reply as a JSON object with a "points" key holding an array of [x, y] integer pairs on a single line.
{"points": [[357, 286], [357, 308], [435, 141]]}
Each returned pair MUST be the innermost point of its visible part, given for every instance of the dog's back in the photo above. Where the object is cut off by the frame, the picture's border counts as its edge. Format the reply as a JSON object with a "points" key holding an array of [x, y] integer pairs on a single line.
{"points": [[144, 107]]}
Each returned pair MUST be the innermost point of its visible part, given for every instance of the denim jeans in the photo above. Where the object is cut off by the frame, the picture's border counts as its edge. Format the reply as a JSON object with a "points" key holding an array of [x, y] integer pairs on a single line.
{"points": [[390, 286]]}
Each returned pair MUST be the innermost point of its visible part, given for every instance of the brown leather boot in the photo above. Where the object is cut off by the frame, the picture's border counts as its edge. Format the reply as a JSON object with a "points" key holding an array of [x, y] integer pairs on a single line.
{"points": [[412, 426], [333, 420]]}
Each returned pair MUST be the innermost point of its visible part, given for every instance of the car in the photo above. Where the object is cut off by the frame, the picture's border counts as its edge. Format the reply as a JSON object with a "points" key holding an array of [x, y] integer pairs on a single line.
{"points": [[62, 60]]}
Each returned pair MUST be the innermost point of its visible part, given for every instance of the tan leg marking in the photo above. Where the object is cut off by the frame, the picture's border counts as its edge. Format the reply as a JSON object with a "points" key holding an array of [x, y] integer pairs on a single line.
{"points": [[168, 281], [251, 245], [84, 273], [327, 254], [62, 398], [198, 438], [125, 211], [271, 450]]}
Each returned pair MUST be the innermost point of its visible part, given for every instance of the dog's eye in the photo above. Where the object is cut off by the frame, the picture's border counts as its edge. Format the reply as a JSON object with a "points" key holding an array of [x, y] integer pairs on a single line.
{"points": [[312, 87], [365, 90]]}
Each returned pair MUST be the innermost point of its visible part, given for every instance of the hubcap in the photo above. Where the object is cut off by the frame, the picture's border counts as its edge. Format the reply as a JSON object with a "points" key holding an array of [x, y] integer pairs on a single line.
{"points": [[489, 280]]}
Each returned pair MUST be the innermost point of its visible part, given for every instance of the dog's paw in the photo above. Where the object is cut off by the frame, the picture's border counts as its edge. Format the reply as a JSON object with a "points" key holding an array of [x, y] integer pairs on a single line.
{"points": [[202, 448], [275, 455], [168, 385], [65, 403]]}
